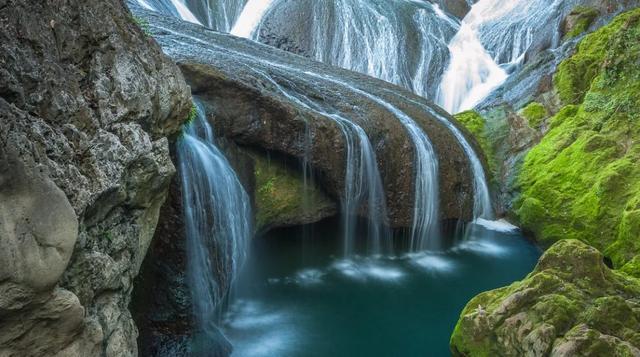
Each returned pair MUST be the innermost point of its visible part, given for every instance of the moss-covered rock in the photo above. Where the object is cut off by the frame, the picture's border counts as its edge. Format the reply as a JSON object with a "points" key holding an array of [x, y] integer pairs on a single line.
{"points": [[632, 267], [579, 20], [574, 76], [571, 304], [283, 199], [535, 113], [582, 180], [475, 124]]}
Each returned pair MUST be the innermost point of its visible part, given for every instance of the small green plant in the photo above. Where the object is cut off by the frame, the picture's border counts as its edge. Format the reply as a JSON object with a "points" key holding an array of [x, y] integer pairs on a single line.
{"points": [[193, 113], [268, 186], [107, 236], [143, 24], [535, 113]]}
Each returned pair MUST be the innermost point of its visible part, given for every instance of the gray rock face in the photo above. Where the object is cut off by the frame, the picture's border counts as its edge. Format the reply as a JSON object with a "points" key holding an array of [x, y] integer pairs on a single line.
{"points": [[457, 8], [38, 229], [86, 104]]}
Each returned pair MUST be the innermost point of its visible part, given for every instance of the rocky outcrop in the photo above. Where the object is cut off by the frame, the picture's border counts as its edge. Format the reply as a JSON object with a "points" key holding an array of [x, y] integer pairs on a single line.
{"points": [[161, 301], [268, 99], [581, 180], [508, 111], [570, 305], [457, 8], [578, 183], [87, 101]]}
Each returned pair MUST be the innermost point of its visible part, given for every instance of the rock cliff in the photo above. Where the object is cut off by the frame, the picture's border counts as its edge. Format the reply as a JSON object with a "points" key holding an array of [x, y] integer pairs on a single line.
{"points": [[87, 103]]}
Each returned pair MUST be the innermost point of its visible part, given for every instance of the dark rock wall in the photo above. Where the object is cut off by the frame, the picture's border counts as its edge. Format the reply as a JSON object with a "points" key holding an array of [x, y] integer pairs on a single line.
{"points": [[87, 102]]}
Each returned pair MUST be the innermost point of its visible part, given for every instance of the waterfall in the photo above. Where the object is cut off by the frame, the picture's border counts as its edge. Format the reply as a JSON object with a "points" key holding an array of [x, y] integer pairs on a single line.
{"points": [[174, 8], [362, 181], [426, 216], [402, 42], [425, 227], [492, 41], [471, 74], [250, 18], [217, 218], [219, 15], [482, 208]]}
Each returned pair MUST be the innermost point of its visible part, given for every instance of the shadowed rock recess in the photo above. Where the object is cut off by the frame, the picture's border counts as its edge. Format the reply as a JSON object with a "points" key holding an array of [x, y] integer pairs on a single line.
{"points": [[87, 102]]}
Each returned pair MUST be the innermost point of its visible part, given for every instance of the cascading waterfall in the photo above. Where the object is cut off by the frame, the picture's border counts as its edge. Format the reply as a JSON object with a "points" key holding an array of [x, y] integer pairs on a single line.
{"points": [[250, 18], [362, 182], [217, 218], [400, 41], [174, 8], [425, 227], [493, 39], [472, 73], [219, 15], [378, 38], [482, 208]]}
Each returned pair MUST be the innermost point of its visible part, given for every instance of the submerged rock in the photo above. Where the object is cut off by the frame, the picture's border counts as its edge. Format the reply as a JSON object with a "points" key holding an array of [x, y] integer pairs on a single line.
{"points": [[570, 305], [87, 102]]}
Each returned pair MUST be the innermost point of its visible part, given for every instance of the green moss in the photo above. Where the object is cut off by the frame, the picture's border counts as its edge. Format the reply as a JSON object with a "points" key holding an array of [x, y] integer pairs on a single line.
{"points": [[193, 113], [632, 267], [535, 113], [582, 17], [575, 74], [475, 124], [582, 180], [570, 296], [143, 24], [281, 195]]}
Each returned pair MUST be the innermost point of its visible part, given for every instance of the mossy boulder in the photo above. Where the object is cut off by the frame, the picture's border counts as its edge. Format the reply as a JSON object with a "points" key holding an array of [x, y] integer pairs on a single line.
{"points": [[283, 197], [578, 21], [534, 113], [582, 180], [571, 304]]}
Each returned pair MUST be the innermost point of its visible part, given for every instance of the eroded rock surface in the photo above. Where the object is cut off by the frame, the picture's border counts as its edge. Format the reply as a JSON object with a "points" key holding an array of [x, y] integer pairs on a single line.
{"points": [[87, 101]]}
